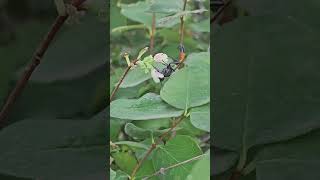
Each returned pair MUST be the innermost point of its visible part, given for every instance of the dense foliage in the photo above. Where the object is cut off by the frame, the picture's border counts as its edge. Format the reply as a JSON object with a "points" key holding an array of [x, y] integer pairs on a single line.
{"points": [[143, 108], [266, 108]]}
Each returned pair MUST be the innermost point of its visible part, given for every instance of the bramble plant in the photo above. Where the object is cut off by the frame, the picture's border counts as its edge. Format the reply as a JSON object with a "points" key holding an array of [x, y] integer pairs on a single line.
{"points": [[159, 108]]}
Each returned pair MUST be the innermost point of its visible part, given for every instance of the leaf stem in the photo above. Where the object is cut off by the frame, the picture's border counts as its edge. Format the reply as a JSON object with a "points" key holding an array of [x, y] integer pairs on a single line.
{"points": [[154, 145], [35, 61], [162, 170], [182, 23], [153, 29]]}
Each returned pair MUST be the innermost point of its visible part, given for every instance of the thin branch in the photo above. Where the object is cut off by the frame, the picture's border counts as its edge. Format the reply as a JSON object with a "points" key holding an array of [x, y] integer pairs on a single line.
{"points": [[121, 79], [35, 61], [154, 145], [219, 12], [153, 30], [163, 170], [182, 23]]}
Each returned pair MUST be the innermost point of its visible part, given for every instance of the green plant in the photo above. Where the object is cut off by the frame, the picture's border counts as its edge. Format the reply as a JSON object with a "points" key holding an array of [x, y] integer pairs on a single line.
{"points": [[159, 126]]}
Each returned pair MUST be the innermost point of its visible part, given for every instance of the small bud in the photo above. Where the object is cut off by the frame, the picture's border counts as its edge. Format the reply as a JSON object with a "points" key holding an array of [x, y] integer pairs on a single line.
{"points": [[142, 51], [126, 56], [162, 171], [161, 58]]}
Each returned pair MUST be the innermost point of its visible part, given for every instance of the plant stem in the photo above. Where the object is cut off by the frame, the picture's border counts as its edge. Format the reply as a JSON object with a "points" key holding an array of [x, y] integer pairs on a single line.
{"points": [[182, 23], [162, 170], [121, 79], [153, 29], [154, 145], [219, 12], [35, 61]]}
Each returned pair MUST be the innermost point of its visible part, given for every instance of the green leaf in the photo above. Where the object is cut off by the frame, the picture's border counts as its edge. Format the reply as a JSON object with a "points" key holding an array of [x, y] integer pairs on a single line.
{"points": [[223, 160], [153, 125], [126, 161], [263, 89], [135, 77], [288, 169], [113, 174], [115, 128], [201, 169], [200, 117], [302, 148], [290, 9], [178, 149], [137, 12], [140, 133], [176, 17], [166, 6], [189, 86], [83, 58], [171, 48], [75, 98], [202, 26], [116, 18], [25, 41], [133, 144], [121, 175], [188, 129], [129, 92], [150, 106], [78, 149]]}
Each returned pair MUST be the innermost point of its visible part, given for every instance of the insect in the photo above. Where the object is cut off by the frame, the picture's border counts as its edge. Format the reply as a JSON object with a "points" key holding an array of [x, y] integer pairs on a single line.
{"points": [[169, 67], [182, 54]]}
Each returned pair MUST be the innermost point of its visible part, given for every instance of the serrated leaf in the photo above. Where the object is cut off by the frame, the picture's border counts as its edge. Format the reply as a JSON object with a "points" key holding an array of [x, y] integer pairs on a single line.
{"points": [[148, 107], [200, 117], [189, 86]]}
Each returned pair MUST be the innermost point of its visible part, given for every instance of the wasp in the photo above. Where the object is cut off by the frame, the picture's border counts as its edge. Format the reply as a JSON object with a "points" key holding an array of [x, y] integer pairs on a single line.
{"points": [[171, 67]]}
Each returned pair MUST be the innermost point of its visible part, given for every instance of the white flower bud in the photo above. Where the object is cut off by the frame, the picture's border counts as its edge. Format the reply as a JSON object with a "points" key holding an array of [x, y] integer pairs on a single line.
{"points": [[161, 58]]}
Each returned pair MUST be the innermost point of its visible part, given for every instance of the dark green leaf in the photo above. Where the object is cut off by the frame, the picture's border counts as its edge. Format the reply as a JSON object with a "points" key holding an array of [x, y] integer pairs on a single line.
{"points": [[53, 149], [263, 92], [150, 106]]}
